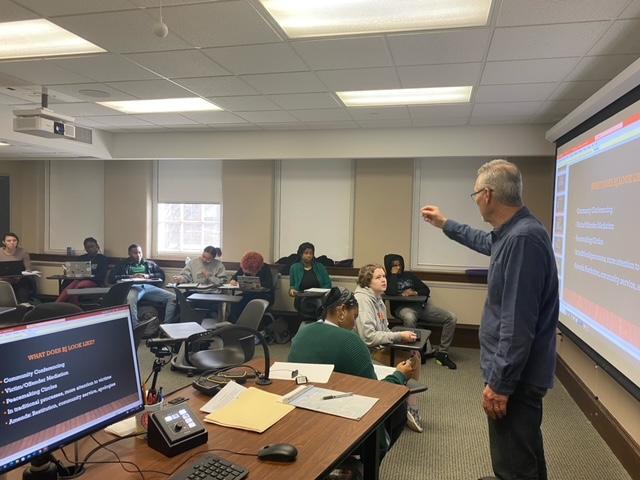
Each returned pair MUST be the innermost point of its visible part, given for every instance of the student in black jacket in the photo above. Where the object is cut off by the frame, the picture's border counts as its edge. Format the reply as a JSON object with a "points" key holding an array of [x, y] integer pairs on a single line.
{"points": [[137, 267], [400, 282], [99, 266]]}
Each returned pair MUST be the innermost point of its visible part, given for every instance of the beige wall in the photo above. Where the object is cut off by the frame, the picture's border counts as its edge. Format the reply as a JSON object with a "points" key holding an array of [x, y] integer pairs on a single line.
{"points": [[247, 203], [127, 200]]}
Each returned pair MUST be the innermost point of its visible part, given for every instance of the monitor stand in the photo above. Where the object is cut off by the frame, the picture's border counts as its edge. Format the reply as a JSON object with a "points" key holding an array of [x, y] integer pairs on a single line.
{"points": [[45, 467]]}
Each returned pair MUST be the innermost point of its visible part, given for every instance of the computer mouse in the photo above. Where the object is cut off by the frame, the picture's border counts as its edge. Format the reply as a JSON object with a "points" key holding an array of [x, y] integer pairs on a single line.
{"points": [[278, 452]]}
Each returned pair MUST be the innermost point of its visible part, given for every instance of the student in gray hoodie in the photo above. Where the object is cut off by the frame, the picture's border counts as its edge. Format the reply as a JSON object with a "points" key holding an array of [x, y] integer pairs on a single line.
{"points": [[205, 269]]}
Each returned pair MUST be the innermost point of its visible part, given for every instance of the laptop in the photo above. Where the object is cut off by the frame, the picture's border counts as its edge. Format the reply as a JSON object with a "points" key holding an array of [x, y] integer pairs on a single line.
{"points": [[78, 269], [11, 269], [248, 283]]}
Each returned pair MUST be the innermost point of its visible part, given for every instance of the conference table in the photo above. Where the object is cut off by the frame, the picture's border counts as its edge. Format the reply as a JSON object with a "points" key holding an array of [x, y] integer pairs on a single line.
{"points": [[322, 440]]}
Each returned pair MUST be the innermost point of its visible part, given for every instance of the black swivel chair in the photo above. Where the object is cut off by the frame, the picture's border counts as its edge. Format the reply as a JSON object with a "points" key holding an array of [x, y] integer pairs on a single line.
{"points": [[237, 347], [51, 310]]}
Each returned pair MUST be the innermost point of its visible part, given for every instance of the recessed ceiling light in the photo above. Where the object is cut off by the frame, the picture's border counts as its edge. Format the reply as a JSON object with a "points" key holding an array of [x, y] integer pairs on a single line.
{"points": [[3, 144], [319, 18], [40, 38], [163, 105], [405, 96]]}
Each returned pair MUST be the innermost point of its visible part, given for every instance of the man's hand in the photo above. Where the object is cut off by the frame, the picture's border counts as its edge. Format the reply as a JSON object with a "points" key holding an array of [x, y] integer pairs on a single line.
{"points": [[407, 368], [292, 292], [494, 404], [433, 215], [233, 283], [409, 292], [408, 336]]}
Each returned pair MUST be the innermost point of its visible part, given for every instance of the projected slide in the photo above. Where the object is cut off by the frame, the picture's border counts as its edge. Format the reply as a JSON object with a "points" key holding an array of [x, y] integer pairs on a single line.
{"points": [[596, 236]]}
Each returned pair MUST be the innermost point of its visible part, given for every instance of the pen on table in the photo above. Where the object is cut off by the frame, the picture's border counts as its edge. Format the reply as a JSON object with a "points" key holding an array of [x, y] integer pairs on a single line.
{"points": [[159, 396], [339, 395]]}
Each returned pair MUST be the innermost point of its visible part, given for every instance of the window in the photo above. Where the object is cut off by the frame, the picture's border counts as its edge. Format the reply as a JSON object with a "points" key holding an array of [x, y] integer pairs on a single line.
{"points": [[187, 227], [188, 208]]}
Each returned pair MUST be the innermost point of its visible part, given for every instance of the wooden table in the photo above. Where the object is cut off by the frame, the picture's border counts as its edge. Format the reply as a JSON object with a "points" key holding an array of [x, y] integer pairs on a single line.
{"points": [[220, 298], [323, 441], [62, 278]]}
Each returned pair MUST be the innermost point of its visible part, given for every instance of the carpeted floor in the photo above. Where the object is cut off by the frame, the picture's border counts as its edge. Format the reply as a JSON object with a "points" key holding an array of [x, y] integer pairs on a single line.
{"points": [[454, 445]]}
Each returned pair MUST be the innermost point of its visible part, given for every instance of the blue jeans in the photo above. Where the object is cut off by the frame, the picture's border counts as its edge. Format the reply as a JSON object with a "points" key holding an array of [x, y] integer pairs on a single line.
{"points": [[153, 294], [516, 446]]}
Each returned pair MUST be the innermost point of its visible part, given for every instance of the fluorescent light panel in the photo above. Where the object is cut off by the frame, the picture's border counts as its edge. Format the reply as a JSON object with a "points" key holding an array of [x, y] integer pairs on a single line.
{"points": [[40, 38], [3, 144], [405, 96], [163, 105], [320, 18]]}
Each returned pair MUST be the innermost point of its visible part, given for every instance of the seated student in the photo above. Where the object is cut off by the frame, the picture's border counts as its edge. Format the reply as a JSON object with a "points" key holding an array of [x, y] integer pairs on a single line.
{"points": [[400, 282], [24, 287], [137, 267], [99, 266], [205, 269], [333, 341], [373, 327], [304, 274], [252, 265]]}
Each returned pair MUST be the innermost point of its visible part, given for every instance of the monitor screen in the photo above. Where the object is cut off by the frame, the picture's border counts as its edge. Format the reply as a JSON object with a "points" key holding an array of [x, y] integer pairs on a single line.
{"points": [[596, 242], [62, 379]]}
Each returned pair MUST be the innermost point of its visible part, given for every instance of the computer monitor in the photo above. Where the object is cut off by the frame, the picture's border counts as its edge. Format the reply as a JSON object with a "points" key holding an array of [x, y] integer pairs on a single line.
{"points": [[63, 379]]}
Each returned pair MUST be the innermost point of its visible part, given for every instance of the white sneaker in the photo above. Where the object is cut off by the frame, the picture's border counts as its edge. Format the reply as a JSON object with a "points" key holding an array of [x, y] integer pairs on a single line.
{"points": [[413, 420]]}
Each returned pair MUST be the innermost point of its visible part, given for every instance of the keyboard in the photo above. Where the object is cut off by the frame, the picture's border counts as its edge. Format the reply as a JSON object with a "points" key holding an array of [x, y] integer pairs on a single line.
{"points": [[210, 467]]}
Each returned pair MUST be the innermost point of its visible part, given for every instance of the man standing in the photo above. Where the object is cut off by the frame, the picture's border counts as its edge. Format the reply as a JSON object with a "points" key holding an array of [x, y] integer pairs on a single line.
{"points": [[518, 327]]}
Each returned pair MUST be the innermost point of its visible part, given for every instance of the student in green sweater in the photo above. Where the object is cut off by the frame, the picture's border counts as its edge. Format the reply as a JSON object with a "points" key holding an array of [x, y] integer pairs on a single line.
{"points": [[333, 341], [304, 274]]}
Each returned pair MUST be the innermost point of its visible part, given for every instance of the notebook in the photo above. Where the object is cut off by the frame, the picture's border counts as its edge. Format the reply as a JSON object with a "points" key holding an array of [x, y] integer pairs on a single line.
{"points": [[333, 402], [78, 269], [248, 283], [8, 269]]}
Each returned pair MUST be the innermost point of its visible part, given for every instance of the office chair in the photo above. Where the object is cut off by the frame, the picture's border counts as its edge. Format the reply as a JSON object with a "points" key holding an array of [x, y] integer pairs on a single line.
{"points": [[7, 295], [237, 347], [51, 310], [190, 314], [117, 295], [139, 330]]}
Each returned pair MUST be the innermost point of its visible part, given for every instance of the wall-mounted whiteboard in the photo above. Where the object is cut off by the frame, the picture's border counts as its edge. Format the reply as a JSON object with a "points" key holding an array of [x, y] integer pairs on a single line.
{"points": [[314, 203], [447, 183], [75, 204]]}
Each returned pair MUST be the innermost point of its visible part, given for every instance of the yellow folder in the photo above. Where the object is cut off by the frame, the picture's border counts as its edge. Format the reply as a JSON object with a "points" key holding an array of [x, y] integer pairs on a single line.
{"points": [[254, 410]]}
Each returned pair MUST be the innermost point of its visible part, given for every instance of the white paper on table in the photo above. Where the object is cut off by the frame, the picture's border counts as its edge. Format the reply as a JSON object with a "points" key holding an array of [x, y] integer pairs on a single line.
{"points": [[28, 273], [225, 396], [317, 290], [383, 371], [315, 372]]}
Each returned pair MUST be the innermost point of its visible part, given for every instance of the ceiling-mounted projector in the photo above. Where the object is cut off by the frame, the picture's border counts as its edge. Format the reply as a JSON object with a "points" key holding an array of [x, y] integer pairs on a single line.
{"points": [[49, 124]]}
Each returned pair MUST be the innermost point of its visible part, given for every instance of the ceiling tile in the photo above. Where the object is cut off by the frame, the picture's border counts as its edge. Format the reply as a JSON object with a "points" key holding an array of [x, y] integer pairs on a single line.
{"points": [[602, 67], [268, 117], [121, 32], [337, 125], [353, 52], [47, 8], [385, 123], [527, 71], [41, 72], [379, 113], [13, 13], [501, 120], [214, 24], [91, 92], [300, 101], [322, 115], [119, 120], [451, 46], [217, 86], [623, 37], [522, 92], [212, 118], [526, 12], [284, 126], [180, 63], [360, 79], [577, 90], [453, 74], [245, 103], [104, 68], [434, 112], [544, 41], [83, 109], [148, 89], [11, 100], [269, 58], [441, 122], [513, 109], [632, 11], [167, 119], [559, 107], [299, 82]]}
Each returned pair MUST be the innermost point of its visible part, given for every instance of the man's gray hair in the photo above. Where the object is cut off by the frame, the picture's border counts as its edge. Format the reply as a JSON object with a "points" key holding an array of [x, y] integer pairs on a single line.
{"points": [[504, 179]]}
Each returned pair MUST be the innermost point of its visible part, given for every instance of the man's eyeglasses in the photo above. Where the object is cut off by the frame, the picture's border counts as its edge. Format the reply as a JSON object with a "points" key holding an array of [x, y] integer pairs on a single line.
{"points": [[479, 191]]}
